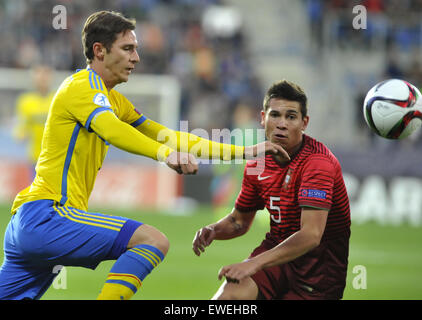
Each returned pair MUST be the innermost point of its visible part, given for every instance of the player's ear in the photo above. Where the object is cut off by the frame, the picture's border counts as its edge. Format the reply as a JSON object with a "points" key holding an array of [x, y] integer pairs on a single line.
{"points": [[263, 118], [305, 123], [99, 50]]}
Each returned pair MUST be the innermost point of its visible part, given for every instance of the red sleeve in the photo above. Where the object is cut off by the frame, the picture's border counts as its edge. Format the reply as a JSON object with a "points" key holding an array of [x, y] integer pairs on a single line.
{"points": [[248, 198], [316, 189]]}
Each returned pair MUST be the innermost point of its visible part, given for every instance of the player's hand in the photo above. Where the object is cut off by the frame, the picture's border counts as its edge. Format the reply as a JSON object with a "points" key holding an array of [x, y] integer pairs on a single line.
{"points": [[203, 238], [264, 148], [239, 271], [182, 163]]}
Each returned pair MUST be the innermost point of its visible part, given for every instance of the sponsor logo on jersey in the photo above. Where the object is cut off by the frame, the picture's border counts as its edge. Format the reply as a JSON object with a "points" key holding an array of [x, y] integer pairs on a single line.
{"points": [[263, 178]]}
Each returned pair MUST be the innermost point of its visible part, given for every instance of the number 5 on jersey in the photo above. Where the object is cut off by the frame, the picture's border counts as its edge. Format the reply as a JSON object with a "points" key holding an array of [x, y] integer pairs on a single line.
{"points": [[277, 208]]}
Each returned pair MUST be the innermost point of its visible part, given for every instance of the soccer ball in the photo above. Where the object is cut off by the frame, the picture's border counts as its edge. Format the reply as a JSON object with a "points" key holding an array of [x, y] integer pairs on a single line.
{"points": [[390, 109]]}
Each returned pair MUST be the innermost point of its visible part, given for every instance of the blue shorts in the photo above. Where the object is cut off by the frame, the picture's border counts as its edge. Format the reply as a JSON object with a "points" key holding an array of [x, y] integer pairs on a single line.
{"points": [[43, 235]]}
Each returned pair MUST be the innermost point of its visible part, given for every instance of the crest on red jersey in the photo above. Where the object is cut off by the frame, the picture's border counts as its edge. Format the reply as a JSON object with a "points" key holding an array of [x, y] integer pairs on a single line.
{"points": [[287, 178]]}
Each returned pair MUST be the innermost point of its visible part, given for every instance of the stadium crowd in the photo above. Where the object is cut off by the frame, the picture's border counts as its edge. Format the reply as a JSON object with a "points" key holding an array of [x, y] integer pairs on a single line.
{"points": [[187, 38], [395, 22]]}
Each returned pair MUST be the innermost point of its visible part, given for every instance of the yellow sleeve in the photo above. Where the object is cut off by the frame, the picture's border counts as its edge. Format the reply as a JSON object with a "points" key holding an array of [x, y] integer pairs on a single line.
{"points": [[127, 138], [187, 142]]}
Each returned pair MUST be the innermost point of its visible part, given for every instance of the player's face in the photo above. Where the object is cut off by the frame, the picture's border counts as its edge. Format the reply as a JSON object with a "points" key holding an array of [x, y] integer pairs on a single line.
{"points": [[121, 59], [284, 124]]}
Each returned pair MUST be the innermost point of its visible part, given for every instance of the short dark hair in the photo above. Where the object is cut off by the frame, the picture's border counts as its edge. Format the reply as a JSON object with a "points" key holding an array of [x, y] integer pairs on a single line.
{"points": [[287, 90], [103, 27]]}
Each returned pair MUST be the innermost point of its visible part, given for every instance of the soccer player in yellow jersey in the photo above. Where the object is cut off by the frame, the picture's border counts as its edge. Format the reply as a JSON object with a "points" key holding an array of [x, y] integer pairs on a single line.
{"points": [[50, 224], [32, 109]]}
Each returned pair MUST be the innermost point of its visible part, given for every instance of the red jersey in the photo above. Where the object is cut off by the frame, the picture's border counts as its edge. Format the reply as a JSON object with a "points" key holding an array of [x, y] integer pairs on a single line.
{"points": [[313, 178]]}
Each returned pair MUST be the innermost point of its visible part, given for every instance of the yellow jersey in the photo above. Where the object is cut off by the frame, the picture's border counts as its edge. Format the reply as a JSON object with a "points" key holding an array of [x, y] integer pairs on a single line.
{"points": [[32, 109], [72, 153]]}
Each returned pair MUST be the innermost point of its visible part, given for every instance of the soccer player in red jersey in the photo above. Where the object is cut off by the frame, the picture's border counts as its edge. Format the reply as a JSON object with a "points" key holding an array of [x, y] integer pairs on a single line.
{"points": [[305, 253]]}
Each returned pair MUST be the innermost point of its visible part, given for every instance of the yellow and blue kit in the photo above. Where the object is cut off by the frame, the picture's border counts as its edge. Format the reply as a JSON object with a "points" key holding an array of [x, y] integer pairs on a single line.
{"points": [[50, 224]]}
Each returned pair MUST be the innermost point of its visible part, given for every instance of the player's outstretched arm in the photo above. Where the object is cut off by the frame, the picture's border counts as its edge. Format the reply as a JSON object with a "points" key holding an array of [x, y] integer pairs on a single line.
{"points": [[127, 138], [233, 225], [204, 148]]}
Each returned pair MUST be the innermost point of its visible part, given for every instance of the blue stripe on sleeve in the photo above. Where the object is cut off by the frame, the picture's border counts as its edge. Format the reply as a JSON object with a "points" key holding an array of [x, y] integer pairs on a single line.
{"points": [[138, 122], [92, 115], [67, 161], [106, 142]]}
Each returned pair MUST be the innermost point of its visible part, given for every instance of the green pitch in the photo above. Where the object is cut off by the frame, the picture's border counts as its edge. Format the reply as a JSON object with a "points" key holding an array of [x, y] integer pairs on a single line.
{"points": [[384, 262]]}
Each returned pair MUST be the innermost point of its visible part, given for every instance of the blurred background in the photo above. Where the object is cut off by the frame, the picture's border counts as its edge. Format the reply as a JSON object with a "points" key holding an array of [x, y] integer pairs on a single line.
{"points": [[209, 63]]}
